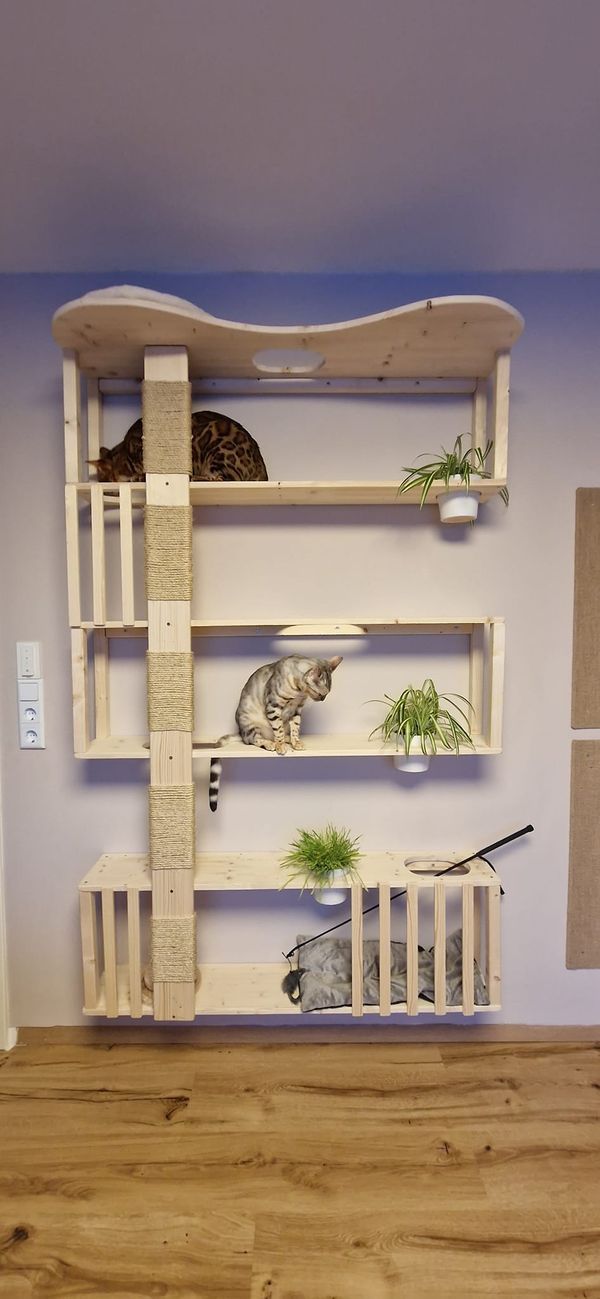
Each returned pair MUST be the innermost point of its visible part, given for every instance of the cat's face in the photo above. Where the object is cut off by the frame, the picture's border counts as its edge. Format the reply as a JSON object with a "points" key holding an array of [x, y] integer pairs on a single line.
{"points": [[318, 679], [114, 466]]}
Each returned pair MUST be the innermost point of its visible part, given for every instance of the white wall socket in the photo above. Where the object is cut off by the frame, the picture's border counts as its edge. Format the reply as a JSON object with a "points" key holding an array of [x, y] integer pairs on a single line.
{"points": [[30, 696]]}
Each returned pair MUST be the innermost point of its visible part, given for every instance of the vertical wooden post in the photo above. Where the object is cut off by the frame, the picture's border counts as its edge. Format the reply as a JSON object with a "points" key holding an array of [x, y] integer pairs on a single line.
{"points": [[98, 555], [101, 684], [357, 949], [79, 668], [479, 415], [412, 949], [385, 951], [500, 402], [439, 946], [72, 407], [493, 948], [94, 423], [109, 934], [496, 682], [468, 993], [476, 677], [134, 953], [126, 544], [169, 631], [89, 950], [73, 564]]}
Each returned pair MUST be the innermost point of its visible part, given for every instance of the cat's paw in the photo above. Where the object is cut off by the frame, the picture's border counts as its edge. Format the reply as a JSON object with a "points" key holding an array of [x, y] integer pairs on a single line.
{"points": [[297, 744], [269, 745], [280, 747]]}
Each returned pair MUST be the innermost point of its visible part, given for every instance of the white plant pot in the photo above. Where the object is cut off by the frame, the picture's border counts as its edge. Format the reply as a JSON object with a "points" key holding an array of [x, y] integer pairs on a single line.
{"points": [[415, 762], [459, 505], [332, 897]]}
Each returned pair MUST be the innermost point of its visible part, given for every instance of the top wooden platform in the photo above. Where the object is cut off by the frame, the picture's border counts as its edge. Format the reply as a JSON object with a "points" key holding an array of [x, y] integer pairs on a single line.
{"points": [[442, 338]]}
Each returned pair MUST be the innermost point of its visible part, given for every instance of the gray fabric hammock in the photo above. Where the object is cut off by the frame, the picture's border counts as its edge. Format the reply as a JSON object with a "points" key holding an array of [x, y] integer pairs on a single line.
{"points": [[324, 976]]}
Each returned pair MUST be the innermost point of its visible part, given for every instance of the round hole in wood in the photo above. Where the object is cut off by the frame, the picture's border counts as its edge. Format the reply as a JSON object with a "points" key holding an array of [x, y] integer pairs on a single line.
{"points": [[287, 360], [433, 866]]}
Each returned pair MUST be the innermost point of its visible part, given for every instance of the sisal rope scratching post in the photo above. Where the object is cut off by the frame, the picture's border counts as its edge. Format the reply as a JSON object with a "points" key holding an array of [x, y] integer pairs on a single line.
{"points": [[166, 404]]}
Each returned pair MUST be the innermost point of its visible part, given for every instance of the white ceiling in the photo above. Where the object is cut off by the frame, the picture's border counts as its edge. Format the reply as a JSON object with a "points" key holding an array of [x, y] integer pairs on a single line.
{"points": [[299, 135]]}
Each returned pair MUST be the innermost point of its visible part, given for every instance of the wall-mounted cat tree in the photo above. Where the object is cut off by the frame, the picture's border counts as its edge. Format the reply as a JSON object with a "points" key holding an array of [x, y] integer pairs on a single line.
{"points": [[117, 337]]}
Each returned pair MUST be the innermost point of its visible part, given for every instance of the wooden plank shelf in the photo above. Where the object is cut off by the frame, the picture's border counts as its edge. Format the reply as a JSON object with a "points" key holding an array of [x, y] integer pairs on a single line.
{"points": [[238, 495], [439, 338], [245, 990], [246, 871], [316, 746], [318, 627]]}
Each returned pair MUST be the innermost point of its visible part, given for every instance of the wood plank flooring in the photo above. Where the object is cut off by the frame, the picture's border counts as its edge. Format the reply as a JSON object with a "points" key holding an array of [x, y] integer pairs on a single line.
{"points": [[263, 1168]]}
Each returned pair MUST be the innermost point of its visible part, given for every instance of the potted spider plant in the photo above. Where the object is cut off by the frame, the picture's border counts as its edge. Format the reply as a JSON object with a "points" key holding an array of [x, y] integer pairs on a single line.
{"points": [[326, 861], [421, 721], [457, 469]]}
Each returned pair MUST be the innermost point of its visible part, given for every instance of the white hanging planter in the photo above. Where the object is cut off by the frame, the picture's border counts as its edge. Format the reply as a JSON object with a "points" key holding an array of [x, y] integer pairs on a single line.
{"points": [[335, 893], [459, 505], [415, 762]]}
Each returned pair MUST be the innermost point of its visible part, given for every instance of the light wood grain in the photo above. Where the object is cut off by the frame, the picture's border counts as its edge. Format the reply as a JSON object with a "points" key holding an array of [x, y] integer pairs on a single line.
{"points": [[356, 898], [126, 551], [98, 556], [73, 561], [72, 416], [270, 1170], [385, 950], [449, 337], [101, 684], [439, 939], [94, 424], [79, 675], [412, 948], [500, 405]]}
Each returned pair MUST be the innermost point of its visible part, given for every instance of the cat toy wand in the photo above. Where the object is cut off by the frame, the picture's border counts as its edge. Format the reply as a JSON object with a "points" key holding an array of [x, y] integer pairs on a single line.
{"points": [[481, 852]]}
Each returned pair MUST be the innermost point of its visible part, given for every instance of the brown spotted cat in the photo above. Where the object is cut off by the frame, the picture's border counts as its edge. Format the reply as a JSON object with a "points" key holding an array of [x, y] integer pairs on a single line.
{"points": [[222, 452]]}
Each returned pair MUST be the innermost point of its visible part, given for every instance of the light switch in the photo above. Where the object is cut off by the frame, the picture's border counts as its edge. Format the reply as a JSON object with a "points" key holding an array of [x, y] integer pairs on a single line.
{"points": [[28, 658]]}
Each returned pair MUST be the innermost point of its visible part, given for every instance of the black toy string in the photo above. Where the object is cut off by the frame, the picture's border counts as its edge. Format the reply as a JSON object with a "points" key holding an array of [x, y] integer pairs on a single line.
{"points": [[490, 847]]}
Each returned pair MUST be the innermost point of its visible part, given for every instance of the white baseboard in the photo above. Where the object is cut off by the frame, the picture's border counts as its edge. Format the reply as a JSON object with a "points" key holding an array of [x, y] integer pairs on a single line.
{"points": [[10, 1040]]}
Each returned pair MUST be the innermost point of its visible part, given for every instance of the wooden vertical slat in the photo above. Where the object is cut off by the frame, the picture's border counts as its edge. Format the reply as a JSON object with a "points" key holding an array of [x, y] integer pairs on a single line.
{"points": [[79, 670], [493, 948], [468, 991], [73, 561], [412, 949], [134, 949], [385, 951], [89, 950], [439, 949], [98, 555], [479, 415], [126, 542], [109, 935], [357, 949], [101, 685], [72, 409], [500, 403], [478, 924], [497, 636], [94, 423], [583, 907], [476, 677], [170, 752]]}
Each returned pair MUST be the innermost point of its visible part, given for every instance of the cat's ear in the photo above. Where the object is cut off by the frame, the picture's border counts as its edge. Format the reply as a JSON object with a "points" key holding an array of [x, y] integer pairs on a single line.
{"points": [[335, 663]]}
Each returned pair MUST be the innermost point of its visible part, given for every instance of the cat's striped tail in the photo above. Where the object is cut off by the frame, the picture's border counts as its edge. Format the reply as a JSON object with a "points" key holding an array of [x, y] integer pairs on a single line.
{"points": [[214, 779], [214, 783]]}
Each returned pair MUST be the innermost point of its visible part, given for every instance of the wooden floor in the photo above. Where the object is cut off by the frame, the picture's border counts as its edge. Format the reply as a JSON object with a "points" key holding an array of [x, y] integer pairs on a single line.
{"points": [[187, 1167]]}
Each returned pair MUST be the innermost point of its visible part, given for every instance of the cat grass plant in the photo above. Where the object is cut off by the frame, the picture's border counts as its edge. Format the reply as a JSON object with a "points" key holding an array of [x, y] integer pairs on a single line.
{"points": [[319, 857], [432, 720], [456, 469]]}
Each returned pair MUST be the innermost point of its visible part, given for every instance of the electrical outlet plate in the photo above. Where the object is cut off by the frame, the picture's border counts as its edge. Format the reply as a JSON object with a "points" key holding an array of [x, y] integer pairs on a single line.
{"points": [[30, 696]]}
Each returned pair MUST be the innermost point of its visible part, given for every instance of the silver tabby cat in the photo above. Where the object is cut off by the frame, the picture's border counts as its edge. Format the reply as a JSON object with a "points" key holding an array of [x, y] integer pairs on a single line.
{"points": [[271, 704]]}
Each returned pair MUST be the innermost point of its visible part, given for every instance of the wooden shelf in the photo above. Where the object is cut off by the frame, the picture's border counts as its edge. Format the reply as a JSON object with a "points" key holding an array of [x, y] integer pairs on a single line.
{"points": [[290, 493], [247, 990], [449, 337], [298, 628], [247, 871], [316, 746]]}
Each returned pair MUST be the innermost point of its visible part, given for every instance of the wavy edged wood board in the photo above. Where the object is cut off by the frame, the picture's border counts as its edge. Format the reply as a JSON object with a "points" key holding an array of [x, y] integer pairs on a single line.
{"points": [[450, 337]]}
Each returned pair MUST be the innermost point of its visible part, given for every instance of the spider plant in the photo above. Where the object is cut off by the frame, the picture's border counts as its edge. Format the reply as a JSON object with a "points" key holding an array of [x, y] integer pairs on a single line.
{"points": [[419, 713], [316, 855], [449, 465]]}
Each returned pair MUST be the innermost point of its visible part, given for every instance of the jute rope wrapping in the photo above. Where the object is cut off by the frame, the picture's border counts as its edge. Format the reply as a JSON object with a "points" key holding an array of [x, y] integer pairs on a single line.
{"points": [[170, 691], [173, 949], [167, 422], [168, 552], [171, 826]]}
